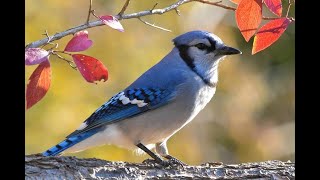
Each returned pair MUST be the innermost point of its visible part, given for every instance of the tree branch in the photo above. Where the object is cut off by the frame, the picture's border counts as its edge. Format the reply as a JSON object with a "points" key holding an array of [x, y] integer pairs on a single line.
{"points": [[122, 16], [99, 23], [66, 167]]}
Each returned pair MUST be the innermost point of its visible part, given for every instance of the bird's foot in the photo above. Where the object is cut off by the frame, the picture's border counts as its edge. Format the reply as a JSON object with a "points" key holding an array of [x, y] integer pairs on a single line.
{"points": [[149, 161], [159, 162], [174, 161], [212, 164]]}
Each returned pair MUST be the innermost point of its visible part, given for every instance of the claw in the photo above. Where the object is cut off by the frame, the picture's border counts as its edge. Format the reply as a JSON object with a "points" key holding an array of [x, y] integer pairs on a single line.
{"points": [[149, 161], [153, 162], [174, 161]]}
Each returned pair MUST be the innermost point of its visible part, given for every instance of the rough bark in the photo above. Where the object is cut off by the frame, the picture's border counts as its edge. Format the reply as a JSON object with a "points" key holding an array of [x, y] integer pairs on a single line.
{"points": [[67, 167]]}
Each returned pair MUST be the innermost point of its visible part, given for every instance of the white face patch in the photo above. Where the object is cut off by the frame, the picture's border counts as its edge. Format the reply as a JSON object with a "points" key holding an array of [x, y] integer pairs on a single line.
{"points": [[82, 126], [125, 100]]}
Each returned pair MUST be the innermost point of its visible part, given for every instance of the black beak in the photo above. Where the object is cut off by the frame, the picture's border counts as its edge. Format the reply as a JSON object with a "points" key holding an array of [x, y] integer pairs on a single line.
{"points": [[226, 50]]}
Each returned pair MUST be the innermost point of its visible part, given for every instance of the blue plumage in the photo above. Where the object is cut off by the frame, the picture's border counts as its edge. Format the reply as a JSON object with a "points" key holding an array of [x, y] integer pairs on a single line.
{"points": [[67, 143], [190, 36], [113, 111]]}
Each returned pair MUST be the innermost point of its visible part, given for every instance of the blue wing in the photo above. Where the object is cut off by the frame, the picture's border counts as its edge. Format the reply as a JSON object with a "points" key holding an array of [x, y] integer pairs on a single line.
{"points": [[127, 104]]}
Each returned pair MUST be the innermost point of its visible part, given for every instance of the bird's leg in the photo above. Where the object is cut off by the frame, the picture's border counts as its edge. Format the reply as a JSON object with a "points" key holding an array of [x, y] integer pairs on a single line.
{"points": [[162, 149], [153, 155]]}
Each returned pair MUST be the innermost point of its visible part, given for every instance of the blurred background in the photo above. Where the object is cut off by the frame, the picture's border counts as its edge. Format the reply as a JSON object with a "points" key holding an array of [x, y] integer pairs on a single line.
{"points": [[250, 118]]}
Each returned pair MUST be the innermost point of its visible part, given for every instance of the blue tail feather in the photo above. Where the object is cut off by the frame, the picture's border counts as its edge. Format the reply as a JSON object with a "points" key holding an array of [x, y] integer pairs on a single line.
{"points": [[69, 142]]}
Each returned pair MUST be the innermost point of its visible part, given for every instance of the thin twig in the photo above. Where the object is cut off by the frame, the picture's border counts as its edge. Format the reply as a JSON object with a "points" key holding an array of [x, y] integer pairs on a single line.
{"points": [[56, 45], [125, 6], [154, 6], [94, 14], [229, 7], [289, 8], [218, 3], [68, 61], [64, 52], [153, 25], [90, 10], [47, 35]]}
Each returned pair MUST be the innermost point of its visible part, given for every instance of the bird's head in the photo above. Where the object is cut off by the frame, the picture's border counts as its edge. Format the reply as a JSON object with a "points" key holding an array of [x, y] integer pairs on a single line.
{"points": [[202, 51], [197, 45]]}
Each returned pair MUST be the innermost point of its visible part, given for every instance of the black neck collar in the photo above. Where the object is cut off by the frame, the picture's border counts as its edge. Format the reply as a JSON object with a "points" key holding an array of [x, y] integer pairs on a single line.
{"points": [[183, 51]]}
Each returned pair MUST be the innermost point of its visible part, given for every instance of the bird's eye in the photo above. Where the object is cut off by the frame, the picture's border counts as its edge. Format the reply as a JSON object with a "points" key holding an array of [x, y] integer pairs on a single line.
{"points": [[201, 46]]}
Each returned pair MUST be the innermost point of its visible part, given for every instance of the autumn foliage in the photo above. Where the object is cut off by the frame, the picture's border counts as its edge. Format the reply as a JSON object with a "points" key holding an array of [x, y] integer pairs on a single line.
{"points": [[90, 68], [248, 15], [39, 83]]}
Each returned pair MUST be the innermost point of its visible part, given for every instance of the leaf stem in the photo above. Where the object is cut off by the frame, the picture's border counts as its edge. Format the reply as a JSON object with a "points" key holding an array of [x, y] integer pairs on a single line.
{"points": [[62, 58]]}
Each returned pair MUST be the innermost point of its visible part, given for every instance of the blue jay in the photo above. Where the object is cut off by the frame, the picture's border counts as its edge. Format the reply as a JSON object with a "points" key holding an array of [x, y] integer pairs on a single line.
{"points": [[158, 104]]}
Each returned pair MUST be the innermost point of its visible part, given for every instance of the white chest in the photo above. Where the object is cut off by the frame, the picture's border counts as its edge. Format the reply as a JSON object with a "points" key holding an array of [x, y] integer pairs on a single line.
{"points": [[204, 95]]}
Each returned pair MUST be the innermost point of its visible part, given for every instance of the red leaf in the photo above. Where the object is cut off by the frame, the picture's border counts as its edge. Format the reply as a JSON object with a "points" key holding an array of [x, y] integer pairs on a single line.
{"points": [[275, 6], [35, 56], [90, 68], [235, 1], [39, 83], [112, 22], [79, 42], [248, 17], [269, 33]]}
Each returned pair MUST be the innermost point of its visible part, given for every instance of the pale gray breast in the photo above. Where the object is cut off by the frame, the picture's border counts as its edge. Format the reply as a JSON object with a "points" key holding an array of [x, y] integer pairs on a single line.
{"points": [[194, 95]]}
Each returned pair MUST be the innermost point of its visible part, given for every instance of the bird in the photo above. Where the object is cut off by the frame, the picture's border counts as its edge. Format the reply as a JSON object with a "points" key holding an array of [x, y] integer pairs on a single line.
{"points": [[157, 104]]}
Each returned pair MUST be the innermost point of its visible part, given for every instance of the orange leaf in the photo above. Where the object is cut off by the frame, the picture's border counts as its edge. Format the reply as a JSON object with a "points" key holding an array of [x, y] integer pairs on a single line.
{"points": [[39, 83], [235, 1], [248, 17], [275, 6], [269, 33], [90, 68]]}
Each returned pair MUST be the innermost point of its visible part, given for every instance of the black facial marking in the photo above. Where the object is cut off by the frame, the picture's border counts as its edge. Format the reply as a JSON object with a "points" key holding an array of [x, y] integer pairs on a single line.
{"points": [[213, 44], [208, 49], [201, 46], [183, 51]]}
